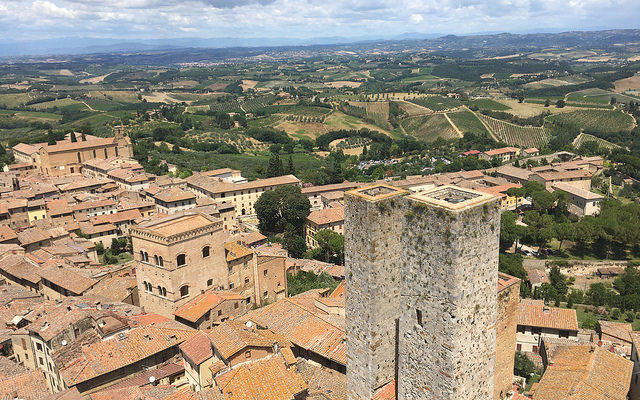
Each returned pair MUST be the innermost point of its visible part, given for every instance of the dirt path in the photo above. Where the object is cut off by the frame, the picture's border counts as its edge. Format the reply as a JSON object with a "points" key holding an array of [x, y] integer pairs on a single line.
{"points": [[88, 106], [458, 131]]}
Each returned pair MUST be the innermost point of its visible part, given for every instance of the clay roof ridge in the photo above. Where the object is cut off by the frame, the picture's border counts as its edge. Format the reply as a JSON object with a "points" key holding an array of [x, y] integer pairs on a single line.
{"points": [[314, 314]]}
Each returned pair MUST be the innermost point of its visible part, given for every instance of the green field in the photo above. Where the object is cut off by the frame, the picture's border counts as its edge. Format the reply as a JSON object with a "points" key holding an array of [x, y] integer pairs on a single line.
{"points": [[595, 121], [488, 104], [436, 103], [308, 111], [429, 127], [32, 115], [467, 121]]}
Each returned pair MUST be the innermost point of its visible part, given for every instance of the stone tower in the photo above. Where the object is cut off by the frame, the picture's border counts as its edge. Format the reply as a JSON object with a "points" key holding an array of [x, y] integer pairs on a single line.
{"points": [[373, 220], [428, 261]]}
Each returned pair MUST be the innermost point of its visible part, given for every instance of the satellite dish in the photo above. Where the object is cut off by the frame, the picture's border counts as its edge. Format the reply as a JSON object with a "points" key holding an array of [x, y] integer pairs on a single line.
{"points": [[248, 324], [64, 342], [152, 379]]}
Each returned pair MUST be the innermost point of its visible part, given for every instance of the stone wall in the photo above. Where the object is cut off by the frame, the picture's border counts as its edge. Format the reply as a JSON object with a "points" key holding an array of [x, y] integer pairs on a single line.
{"points": [[508, 299], [421, 303], [373, 258], [449, 305]]}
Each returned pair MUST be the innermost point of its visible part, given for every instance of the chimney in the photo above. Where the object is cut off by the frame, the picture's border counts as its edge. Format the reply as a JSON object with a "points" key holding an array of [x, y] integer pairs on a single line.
{"points": [[15, 183]]}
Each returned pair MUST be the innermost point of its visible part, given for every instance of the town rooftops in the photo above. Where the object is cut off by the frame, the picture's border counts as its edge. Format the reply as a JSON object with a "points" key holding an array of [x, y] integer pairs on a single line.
{"points": [[585, 372], [67, 279], [617, 330], [499, 190], [173, 194], [236, 251], [531, 150], [451, 197], [197, 348], [502, 150], [346, 185], [514, 172], [264, 379], [215, 185], [304, 328], [505, 281], [564, 174], [107, 356], [233, 336], [578, 192], [536, 313], [327, 216], [177, 224], [200, 305], [28, 149]]}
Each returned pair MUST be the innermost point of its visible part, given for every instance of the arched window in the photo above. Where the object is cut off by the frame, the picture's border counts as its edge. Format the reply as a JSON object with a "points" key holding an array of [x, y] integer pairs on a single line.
{"points": [[146, 257], [206, 251], [181, 260], [184, 291], [160, 261], [141, 255], [148, 287], [155, 260], [162, 291]]}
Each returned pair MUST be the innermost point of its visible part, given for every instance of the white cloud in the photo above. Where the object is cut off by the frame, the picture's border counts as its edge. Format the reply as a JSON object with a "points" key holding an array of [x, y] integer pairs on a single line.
{"points": [[303, 18]]}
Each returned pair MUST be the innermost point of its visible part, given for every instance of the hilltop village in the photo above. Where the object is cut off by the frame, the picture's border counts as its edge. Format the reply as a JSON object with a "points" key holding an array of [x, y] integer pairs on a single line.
{"points": [[116, 283]]}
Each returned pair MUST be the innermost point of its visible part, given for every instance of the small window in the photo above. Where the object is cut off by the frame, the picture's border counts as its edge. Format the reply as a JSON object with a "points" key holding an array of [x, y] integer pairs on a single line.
{"points": [[209, 282], [219, 313], [105, 153], [231, 285], [181, 260], [265, 272], [205, 252], [184, 291], [246, 281], [160, 261], [265, 294], [247, 354], [419, 317], [156, 261], [39, 346], [235, 306], [40, 360]]}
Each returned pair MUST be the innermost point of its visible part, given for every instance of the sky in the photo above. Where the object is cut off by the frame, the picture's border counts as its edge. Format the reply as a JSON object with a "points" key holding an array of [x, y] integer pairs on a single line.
{"points": [[152, 19]]}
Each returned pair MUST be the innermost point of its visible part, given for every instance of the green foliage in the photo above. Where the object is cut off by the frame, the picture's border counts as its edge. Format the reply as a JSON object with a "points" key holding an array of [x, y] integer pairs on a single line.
{"points": [[294, 244], [330, 247], [304, 281], [523, 366], [284, 208]]}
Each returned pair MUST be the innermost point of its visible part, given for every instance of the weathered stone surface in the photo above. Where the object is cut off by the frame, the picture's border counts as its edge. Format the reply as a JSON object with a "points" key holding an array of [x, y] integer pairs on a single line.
{"points": [[429, 264]]}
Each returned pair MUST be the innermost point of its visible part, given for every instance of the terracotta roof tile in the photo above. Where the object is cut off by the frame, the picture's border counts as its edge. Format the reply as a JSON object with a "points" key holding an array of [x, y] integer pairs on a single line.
{"points": [[233, 336], [198, 306], [535, 313], [327, 216]]}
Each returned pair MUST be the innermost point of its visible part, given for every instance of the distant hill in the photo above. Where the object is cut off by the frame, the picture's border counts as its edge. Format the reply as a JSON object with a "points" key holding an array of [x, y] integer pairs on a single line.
{"points": [[170, 51]]}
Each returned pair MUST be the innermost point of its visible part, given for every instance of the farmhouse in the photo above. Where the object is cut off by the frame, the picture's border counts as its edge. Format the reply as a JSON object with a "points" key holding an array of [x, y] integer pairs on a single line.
{"points": [[503, 154], [583, 202]]}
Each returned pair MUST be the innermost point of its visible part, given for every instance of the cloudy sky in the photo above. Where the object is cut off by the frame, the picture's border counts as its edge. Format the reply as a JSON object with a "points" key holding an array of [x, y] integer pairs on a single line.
{"points": [[148, 19]]}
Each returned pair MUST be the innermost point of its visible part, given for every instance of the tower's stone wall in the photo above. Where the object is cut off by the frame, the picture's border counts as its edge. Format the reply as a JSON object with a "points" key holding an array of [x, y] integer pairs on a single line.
{"points": [[430, 265], [372, 231], [449, 311], [508, 299]]}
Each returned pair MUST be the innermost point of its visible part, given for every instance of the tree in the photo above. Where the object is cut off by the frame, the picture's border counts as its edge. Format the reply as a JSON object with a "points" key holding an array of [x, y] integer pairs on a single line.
{"points": [[290, 168], [547, 103], [294, 244], [546, 292], [560, 103], [284, 207], [564, 231], [275, 167], [523, 366], [331, 246], [73, 137], [304, 281], [558, 280]]}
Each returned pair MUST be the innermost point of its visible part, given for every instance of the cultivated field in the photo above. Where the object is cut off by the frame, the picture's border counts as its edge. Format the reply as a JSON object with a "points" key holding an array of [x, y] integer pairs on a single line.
{"points": [[515, 135], [466, 121], [585, 137], [595, 120], [429, 127], [632, 84], [437, 103]]}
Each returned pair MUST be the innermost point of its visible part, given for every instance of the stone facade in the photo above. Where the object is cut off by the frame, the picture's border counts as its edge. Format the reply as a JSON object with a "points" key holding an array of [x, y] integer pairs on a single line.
{"points": [[373, 251], [508, 299], [165, 282], [421, 306]]}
